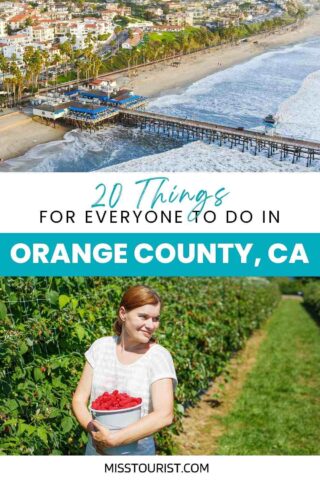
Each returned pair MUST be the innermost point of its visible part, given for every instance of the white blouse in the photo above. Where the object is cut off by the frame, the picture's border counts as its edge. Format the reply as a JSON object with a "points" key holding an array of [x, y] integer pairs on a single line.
{"points": [[135, 379]]}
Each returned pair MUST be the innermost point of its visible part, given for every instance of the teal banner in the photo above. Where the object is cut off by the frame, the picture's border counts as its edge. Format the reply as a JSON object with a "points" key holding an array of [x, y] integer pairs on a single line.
{"points": [[157, 254]]}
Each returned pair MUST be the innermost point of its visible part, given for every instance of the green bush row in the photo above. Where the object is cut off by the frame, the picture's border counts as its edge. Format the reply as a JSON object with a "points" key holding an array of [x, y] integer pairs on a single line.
{"points": [[46, 325], [289, 286], [311, 297]]}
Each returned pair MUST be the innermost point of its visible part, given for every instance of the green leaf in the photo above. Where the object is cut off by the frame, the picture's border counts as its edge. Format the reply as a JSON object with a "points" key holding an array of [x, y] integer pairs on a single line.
{"points": [[3, 311], [12, 404], [74, 303], [63, 300], [52, 297], [84, 437], [23, 348], [56, 382], [66, 424], [63, 403], [38, 375], [56, 452], [42, 434], [55, 412], [21, 428], [80, 331], [180, 408], [29, 341], [30, 429]]}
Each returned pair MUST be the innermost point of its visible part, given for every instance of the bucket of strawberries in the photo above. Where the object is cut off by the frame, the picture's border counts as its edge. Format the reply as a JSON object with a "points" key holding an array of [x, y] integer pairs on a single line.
{"points": [[114, 411]]}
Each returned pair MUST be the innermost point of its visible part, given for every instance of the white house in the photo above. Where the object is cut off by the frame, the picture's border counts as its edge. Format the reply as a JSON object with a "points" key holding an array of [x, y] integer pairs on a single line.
{"points": [[18, 38], [107, 85], [80, 42], [17, 50], [43, 34], [144, 25], [52, 112]]}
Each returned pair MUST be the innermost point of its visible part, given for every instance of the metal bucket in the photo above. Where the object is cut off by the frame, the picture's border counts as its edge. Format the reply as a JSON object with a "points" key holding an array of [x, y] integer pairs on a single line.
{"points": [[116, 420]]}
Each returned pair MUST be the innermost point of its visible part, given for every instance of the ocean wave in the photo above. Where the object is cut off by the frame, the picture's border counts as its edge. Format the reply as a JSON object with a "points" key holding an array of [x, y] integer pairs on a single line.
{"points": [[244, 94], [199, 156], [299, 115]]}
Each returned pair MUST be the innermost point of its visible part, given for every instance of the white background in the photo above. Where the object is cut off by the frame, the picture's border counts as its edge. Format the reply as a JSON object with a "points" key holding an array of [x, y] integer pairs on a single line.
{"points": [[220, 468], [296, 195]]}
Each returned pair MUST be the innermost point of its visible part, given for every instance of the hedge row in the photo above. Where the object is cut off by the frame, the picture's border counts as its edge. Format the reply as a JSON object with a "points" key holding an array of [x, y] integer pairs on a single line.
{"points": [[47, 324], [311, 297]]}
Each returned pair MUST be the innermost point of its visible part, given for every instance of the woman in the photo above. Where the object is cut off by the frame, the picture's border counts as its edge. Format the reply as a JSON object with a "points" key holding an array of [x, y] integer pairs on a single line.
{"points": [[131, 362]]}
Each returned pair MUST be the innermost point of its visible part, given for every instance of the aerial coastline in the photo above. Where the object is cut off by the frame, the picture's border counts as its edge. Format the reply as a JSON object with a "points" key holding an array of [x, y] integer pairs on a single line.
{"points": [[156, 80], [160, 79]]}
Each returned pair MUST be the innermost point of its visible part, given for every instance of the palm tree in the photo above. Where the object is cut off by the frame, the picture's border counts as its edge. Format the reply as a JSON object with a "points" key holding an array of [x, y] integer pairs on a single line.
{"points": [[8, 83], [33, 61], [17, 81], [3, 65], [46, 61], [95, 64], [67, 53]]}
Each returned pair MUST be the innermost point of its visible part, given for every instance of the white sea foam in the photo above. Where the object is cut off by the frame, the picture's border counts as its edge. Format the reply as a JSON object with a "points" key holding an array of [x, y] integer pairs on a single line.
{"points": [[299, 116], [198, 157]]}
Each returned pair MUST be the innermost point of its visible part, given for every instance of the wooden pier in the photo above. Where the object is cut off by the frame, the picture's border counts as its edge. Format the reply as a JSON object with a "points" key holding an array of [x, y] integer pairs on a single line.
{"points": [[245, 140]]}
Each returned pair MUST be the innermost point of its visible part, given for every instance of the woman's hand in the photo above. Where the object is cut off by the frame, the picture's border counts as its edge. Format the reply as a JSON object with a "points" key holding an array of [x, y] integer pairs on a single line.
{"points": [[102, 438]]}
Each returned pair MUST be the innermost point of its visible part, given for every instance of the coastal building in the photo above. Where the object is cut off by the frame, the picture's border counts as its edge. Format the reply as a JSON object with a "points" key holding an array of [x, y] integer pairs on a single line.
{"points": [[117, 9], [15, 49], [107, 16], [145, 2], [10, 7], [96, 26], [198, 13], [175, 6], [51, 112], [74, 28], [144, 25], [18, 38], [108, 85], [59, 11], [80, 40], [134, 40], [179, 19], [42, 34], [18, 21]]}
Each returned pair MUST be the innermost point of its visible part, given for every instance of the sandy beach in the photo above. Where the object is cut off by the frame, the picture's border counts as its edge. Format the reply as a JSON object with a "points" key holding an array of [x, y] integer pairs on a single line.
{"points": [[163, 78], [19, 133]]}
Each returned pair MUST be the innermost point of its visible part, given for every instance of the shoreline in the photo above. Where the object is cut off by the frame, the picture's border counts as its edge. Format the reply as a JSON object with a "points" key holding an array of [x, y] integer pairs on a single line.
{"points": [[161, 79], [21, 132]]}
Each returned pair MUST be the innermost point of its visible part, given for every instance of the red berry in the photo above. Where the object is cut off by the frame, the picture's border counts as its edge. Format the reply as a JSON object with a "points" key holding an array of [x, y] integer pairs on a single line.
{"points": [[115, 401]]}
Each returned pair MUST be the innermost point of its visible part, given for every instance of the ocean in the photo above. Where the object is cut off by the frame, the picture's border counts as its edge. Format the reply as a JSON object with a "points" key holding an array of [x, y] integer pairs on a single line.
{"points": [[284, 81]]}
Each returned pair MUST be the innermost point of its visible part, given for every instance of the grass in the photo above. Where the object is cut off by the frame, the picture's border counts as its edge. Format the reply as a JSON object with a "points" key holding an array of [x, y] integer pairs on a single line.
{"points": [[278, 410], [201, 429], [155, 36], [67, 77]]}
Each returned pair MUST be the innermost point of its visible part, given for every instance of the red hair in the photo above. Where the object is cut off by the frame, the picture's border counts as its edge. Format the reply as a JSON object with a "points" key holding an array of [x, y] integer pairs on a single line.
{"points": [[136, 297]]}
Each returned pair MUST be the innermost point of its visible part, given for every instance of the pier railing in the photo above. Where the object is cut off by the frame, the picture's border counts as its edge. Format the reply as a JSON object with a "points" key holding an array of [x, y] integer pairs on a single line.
{"points": [[246, 140]]}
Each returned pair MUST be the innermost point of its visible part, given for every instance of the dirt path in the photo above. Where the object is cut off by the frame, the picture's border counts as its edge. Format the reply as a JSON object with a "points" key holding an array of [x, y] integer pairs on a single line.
{"points": [[202, 425]]}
